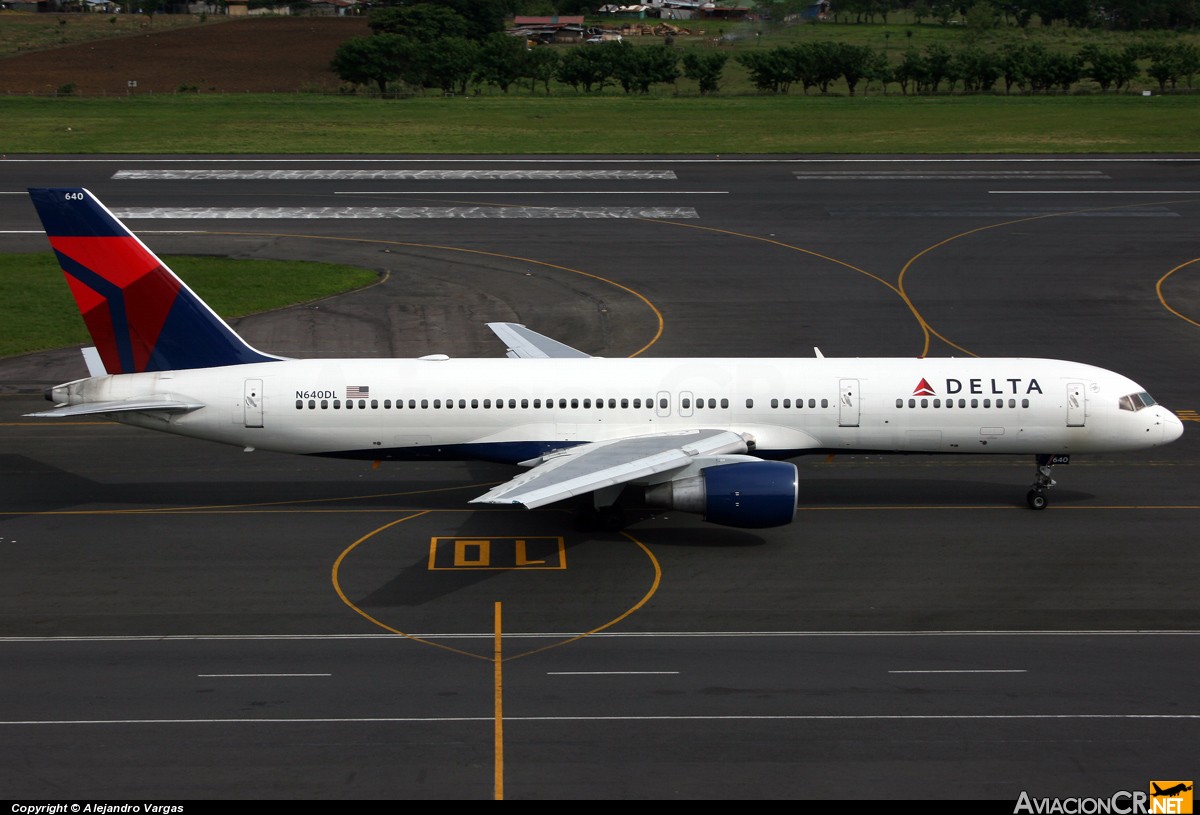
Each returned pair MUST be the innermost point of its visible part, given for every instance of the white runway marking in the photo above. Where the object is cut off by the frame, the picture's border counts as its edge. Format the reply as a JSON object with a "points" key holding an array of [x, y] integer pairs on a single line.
{"points": [[899, 717], [394, 175], [254, 676], [612, 673], [994, 212], [968, 671], [462, 193], [943, 175], [331, 213], [1093, 192]]}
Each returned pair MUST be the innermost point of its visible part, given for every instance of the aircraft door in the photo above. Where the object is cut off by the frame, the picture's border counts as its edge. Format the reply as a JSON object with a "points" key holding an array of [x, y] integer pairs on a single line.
{"points": [[252, 403], [1076, 404], [662, 404], [848, 403]]}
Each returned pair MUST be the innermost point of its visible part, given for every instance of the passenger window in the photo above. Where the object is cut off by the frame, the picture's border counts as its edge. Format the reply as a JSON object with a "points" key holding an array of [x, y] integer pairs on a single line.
{"points": [[687, 403], [324, 404], [312, 404], [749, 403], [724, 403]]}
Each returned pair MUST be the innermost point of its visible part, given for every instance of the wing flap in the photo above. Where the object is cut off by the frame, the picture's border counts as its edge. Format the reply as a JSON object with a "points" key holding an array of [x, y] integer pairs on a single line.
{"points": [[592, 466]]}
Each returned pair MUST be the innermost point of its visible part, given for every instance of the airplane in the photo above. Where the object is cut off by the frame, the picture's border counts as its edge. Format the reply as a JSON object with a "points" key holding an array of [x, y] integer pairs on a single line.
{"points": [[709, 436], [1178, 789]]}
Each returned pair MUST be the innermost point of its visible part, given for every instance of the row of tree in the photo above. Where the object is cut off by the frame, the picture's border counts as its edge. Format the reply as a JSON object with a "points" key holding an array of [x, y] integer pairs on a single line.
{"points": [[398, 63], [1025, 67]]}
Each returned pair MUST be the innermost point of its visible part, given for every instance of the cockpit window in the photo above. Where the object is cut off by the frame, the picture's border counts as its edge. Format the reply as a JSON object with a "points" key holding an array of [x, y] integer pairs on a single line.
{"points": [[1136, 401]]}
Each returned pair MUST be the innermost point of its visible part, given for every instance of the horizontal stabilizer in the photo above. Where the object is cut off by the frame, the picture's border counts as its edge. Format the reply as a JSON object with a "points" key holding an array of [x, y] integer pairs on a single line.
{"points": [[131, 406], [525, 344], [589, 467]]}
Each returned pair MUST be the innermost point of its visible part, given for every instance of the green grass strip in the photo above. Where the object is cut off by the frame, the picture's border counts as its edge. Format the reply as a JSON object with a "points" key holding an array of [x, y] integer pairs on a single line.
{"points": [[312, 124], [40, 313]]}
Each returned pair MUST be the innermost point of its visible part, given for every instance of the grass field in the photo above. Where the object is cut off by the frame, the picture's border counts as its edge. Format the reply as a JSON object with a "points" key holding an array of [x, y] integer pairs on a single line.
{"points": [[39, 312], [300, 123]]}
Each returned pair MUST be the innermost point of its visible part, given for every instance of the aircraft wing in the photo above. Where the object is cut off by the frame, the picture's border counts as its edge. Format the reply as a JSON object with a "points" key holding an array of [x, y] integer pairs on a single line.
{"points": [[588, 467], [138, 405], [525, 344]]}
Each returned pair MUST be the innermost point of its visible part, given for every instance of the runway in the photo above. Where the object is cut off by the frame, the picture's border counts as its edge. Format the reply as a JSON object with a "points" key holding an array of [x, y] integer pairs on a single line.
{"points": [[188, 622]]}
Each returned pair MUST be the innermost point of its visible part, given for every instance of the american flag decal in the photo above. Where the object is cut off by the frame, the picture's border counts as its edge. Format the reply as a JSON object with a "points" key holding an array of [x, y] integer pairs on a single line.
{"points": [[357, 391]]}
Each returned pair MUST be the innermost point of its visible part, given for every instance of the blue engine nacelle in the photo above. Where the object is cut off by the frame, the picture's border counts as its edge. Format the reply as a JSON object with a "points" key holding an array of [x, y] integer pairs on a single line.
{"points": [[746, 494]]}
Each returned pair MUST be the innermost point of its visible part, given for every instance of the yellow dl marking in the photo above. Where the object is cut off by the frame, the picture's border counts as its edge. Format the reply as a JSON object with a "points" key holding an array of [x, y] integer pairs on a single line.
{"points": [[475, 553]]}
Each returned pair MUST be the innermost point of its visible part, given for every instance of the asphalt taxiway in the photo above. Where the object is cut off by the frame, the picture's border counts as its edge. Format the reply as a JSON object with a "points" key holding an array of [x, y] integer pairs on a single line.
{"points": [[186, 621]]}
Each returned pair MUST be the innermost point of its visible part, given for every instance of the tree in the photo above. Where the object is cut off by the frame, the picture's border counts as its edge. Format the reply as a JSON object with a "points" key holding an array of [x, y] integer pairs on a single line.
{"points": [[424, 22], [449, 63], [769, 70], [479, 17], [855, 63], [979, 70], [636, 69], [541, 65], [913, 70], [1170, 63], [502, 60], [586, 67], [1110, 68], [705, 68], [379, 59]]}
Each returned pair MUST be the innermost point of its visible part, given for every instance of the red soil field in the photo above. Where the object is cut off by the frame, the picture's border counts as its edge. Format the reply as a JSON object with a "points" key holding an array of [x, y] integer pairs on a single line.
{"points": [[250, 55]]}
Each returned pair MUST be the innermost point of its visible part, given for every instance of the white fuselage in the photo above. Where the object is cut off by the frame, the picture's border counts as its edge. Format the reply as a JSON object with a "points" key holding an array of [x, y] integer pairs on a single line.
{"points": [[515, 409]]}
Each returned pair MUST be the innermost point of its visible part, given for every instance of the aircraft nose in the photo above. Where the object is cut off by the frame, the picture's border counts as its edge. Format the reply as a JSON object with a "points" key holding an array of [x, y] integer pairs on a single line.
{"points": [[1172, 426]]}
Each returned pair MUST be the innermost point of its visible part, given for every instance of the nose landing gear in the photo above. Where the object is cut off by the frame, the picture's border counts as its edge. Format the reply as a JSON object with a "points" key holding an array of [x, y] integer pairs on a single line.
{"points": [[1036, 497]]}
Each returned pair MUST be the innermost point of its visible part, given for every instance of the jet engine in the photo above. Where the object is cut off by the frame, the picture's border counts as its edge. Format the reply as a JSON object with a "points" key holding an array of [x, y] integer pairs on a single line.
{"points": [[748, 494]]}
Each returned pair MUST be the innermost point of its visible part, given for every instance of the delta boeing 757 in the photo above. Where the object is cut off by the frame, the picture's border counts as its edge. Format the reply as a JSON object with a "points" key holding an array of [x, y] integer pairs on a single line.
{"points": [[711, 436]]}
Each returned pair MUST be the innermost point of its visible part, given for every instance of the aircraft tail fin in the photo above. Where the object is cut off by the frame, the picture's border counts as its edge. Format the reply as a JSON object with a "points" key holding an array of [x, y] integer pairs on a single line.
{"points": [[141, 316]]}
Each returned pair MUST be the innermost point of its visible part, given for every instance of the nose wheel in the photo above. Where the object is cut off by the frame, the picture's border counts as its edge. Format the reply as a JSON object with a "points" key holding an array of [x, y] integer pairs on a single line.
{"points": [[1036, 497]]}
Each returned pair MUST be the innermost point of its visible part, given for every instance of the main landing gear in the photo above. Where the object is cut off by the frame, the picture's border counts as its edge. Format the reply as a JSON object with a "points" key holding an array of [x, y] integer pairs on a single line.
{"points": [[1036, 497], [609, 519], [600, 510]]}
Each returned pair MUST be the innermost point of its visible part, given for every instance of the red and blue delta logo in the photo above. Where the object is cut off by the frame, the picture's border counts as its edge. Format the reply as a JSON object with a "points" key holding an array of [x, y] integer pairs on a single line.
{"points": [[924, 388]]}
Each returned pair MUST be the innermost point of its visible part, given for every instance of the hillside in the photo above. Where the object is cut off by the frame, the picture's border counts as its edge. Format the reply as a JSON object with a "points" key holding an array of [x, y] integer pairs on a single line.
{"points": [[256, 55]]}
